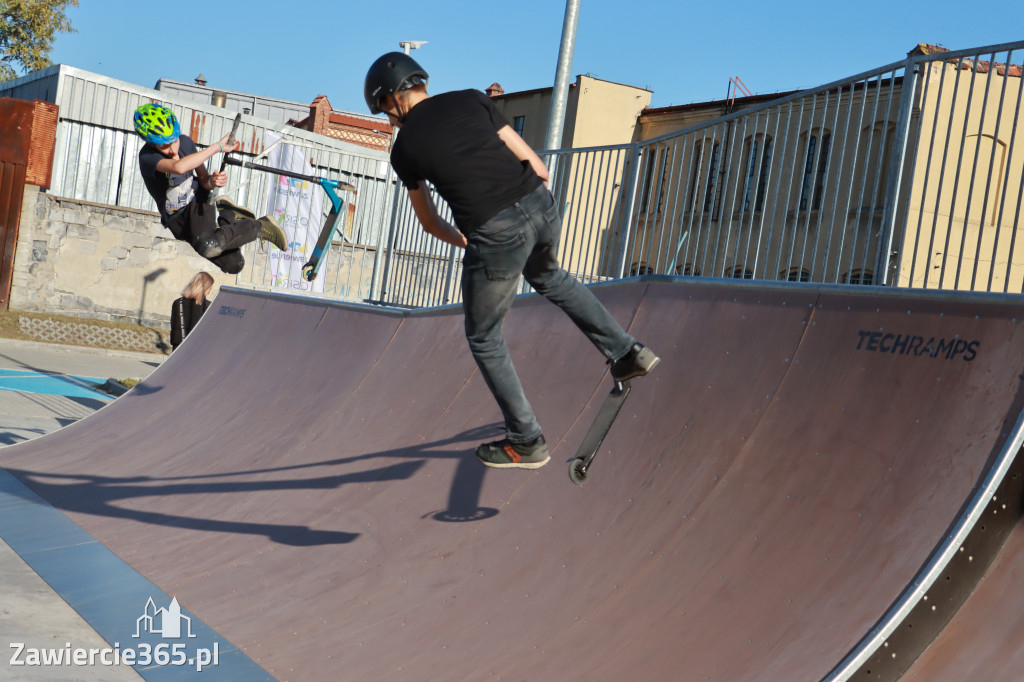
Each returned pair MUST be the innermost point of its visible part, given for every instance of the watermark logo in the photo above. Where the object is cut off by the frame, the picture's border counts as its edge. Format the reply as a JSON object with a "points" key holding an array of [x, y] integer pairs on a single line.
{"points": [[164, 622], [168, 623]]}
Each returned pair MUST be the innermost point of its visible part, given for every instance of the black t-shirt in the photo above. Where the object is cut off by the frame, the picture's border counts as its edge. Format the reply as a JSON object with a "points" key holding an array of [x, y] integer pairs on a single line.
{"points": [[451, 140], [171, 192]]}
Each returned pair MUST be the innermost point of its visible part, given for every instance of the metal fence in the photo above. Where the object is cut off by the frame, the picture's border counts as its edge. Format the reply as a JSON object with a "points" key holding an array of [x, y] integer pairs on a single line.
{"points": [[903, 175], [96, 160]]}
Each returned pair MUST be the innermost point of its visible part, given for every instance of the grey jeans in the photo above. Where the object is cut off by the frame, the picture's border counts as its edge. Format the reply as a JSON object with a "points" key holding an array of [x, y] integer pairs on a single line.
{"points": [[523, 239]]}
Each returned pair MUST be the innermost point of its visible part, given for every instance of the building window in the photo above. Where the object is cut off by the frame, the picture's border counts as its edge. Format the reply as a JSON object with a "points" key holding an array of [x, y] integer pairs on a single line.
{"points": [[757, 171], [709, 192], [688, 270], [698, 158], [741, 272], [648, 184], [655, 178], [813, 187], [860, 277], [796, 275], [518, 124], [873, 160]]}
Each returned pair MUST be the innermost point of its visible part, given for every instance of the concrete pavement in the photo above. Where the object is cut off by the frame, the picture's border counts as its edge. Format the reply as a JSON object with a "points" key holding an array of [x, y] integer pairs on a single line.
{"points": [[44, 387], [28, 414]]}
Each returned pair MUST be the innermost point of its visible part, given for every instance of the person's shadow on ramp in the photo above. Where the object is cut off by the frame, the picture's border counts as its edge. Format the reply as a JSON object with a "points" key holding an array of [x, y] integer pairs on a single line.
{"points": [[100, 495]]}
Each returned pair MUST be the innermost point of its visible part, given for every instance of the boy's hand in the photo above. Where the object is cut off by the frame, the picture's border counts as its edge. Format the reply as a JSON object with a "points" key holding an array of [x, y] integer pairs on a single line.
{"points": [[217, 179], [229, 146]]}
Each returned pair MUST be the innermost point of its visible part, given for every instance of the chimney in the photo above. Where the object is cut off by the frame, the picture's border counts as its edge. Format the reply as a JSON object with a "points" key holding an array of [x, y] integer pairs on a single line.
{"points": [[495, 90], [319, 115], [200, 79], [219, 98]]}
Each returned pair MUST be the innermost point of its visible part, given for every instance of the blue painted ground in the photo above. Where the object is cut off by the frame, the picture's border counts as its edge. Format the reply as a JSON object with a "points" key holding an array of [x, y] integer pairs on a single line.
{"points": [[25, 381], [108, 593]]}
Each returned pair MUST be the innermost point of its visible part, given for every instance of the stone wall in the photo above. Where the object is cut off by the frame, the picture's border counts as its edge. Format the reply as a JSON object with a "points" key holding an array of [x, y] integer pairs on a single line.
{"points": [[101, 262]]}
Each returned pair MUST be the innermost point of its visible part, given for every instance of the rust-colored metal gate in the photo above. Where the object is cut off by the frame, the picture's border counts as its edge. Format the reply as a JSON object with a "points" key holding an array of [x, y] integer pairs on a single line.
{"points": [[28, 132]]}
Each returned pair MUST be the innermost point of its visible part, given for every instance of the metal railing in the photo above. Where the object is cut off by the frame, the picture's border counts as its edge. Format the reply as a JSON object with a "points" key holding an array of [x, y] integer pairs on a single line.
{"points": [[965, 194], [96, 160], [903, 175]]}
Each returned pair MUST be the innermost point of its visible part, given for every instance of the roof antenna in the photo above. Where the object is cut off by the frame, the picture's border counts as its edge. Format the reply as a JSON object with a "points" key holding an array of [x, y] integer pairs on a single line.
{"points": [[737, 84]]}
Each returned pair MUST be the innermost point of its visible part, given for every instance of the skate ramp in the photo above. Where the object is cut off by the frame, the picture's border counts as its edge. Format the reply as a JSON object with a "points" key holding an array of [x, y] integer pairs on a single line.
{"points": [[300, 475]]}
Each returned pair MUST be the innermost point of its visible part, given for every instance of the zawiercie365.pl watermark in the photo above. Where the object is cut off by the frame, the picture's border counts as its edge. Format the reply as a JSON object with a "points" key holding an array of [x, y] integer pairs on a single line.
{"points": [[168, 623]]}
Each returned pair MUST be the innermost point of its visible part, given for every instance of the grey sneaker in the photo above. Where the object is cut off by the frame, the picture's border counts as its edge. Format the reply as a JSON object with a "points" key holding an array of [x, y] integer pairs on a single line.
{"points": [[225, 204], [638, 362], [272, 232], [503, 454]]}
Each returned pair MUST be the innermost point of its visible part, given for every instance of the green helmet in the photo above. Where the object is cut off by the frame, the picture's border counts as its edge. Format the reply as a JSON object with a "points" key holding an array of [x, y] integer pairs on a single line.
{"points": [[157, 124]]}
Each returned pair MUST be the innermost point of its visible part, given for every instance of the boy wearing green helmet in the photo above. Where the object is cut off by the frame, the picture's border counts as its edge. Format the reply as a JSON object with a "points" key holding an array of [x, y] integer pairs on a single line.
{"points": [[175, 173]]}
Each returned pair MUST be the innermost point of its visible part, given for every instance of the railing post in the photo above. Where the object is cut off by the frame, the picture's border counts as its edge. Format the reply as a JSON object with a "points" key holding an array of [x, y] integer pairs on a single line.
{"points": [[453, 258], [628, 201], [894, 184], [379, 278]]}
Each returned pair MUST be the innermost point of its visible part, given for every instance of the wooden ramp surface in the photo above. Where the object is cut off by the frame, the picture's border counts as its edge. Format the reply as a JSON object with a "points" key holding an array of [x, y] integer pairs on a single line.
{"points": [[300, 475]]}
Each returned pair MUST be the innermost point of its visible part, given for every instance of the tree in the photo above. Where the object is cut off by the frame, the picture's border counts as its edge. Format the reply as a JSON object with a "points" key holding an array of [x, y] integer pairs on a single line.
{"points": [[27, 29]]}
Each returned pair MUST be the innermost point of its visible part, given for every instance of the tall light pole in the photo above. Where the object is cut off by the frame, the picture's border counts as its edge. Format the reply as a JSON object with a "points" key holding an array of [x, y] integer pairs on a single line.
{"points": [[560, 93]]}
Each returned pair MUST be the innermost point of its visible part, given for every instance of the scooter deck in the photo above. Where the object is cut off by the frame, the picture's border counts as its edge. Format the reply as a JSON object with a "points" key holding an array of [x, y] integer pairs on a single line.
{"points": [[579, 465]]}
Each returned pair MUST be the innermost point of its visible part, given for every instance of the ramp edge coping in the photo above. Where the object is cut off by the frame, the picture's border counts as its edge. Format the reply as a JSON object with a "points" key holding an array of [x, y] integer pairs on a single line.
{"points": [[936, 565]]}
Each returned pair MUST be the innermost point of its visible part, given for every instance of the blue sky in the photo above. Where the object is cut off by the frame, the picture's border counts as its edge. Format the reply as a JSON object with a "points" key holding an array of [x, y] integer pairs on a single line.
{"points": [[683, 52]]}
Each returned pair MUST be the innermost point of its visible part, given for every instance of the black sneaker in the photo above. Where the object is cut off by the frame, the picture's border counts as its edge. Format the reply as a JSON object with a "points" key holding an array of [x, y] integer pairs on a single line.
{"points": [[638, 362], [225, 204], [503, 454]]}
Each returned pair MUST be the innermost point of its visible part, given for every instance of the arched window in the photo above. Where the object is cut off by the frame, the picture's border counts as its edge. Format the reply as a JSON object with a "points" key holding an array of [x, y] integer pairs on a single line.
{"points": [[859, 277], [796, 275], [812, 190], [874, 157], [688, 270], [640, 268], [759, 161], [704, 174], [741, 272]]}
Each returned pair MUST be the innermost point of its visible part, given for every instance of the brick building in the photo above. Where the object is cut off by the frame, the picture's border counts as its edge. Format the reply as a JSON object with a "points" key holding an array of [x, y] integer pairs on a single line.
{"points": [[365, 131]]}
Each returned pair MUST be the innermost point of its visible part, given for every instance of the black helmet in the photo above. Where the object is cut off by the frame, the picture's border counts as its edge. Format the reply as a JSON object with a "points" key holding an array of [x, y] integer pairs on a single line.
{"points": [[390, 73]]}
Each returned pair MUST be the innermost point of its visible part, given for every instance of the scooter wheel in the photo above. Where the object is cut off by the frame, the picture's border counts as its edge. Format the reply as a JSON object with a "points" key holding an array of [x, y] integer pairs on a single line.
{"points": [[307, 273], [577, 471]]}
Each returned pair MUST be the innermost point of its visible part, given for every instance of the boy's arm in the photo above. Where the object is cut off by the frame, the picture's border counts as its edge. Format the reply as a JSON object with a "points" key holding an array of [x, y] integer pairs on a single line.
{"points": [[195, 162], [433, 223], [523, 151]]}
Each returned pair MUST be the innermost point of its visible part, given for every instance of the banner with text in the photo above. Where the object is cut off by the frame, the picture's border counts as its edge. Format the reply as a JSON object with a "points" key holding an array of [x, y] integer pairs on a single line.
{"points": [[298, 207]]}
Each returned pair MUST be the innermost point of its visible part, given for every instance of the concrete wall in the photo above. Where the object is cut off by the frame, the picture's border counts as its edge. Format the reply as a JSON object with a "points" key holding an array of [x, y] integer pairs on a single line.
{"points": [[534, 106], [101, 262], [597, 112], [605, 112]]}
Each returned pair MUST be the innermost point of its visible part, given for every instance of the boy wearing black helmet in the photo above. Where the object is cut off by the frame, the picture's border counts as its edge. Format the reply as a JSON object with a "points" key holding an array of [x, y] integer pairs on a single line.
{"points": [[496, 187], [175, 173]]}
